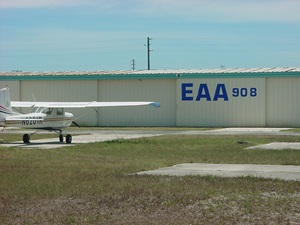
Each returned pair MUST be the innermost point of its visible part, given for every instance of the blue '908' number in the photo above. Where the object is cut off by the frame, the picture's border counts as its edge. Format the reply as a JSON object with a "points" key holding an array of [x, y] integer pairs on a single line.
{"points": [[243, 92]]}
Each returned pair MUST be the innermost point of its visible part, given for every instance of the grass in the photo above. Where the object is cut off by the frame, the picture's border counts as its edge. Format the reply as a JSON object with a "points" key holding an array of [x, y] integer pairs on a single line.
{"points": [[9, 137], [144, 128], [89, 184], [295, 130]]}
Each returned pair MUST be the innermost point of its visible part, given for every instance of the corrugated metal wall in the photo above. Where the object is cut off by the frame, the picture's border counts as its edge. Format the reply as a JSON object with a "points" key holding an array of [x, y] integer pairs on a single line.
{"points": [[161, 90], [283, 102], [205, 102], [14, 87], [63, 90], [221, 102]]}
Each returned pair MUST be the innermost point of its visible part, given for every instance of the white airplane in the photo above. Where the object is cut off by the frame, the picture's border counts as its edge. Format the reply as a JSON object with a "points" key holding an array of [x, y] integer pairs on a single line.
{"points": [[48, 115]]}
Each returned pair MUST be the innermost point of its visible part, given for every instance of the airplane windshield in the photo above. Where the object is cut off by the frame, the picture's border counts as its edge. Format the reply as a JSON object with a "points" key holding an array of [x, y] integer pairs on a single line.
{"points": [[37, 109], [47, 111]]}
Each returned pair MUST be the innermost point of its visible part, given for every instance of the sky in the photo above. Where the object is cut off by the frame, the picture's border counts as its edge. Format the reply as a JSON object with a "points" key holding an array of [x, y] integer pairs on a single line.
{"points": [[81, 35]]}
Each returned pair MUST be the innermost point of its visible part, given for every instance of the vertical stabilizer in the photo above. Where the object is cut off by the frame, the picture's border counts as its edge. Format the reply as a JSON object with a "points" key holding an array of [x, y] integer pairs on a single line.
{"points": [[5, 104]]}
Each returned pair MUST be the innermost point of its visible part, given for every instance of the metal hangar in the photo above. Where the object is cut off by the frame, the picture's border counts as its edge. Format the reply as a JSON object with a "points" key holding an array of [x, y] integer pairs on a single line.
{"points": [[256, 97]]}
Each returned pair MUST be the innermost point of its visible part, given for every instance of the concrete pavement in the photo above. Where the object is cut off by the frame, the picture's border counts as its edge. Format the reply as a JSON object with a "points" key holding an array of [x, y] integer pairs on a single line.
{"points": [[229, 170], [94, 135], [52, 143], [277, 146]]}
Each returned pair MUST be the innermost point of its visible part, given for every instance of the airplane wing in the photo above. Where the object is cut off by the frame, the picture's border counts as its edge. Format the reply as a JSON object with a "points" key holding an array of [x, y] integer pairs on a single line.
{"points": [[93, 104]]}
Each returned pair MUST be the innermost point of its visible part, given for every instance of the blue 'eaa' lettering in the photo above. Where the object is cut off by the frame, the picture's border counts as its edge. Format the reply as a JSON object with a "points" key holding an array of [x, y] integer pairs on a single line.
{"points": [[185, 91], [203, 92], [221, 92]]}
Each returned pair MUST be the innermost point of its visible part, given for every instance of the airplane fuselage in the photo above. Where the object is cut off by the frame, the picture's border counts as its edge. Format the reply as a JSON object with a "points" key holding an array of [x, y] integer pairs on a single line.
{"points": [[53, 121]]}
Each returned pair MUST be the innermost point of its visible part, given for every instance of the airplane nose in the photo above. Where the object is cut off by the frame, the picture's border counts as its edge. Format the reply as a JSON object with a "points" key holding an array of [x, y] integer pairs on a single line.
{"points": [[69, 115], [68, 119]]}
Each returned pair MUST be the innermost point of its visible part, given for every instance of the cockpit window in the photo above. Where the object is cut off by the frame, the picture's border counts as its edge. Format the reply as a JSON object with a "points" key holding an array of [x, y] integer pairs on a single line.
{"points": [[37, 109], [47, 111], [60, 112]]}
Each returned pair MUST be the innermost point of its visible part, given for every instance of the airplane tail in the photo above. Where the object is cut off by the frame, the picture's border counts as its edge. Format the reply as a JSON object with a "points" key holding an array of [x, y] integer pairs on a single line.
{"points": [[5, 104]]}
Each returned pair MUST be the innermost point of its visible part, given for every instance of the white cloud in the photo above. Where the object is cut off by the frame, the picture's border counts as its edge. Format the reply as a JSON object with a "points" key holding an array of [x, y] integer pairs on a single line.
{"points": [[40, 3], [226, 10], [202, 10]]}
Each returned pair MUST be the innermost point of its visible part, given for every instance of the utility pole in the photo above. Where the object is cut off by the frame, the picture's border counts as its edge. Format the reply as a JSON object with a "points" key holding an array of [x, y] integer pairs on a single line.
{"points": [[148, 51], [133, 64]]}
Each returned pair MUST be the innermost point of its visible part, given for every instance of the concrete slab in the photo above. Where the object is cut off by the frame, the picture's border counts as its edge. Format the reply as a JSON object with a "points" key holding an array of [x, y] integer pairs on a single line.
{"points": [[277, 146], [246, 131], [229, 170], [252, 129]]}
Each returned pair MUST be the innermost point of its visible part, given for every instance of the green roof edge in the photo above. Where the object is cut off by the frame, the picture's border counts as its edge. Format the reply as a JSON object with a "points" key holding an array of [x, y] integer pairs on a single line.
{"points": [[150, 76]]}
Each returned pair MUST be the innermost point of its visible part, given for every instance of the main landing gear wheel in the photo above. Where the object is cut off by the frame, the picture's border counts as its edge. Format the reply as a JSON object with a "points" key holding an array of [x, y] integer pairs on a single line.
{"points": [[26, 138], [61, 138], [68, 139]]}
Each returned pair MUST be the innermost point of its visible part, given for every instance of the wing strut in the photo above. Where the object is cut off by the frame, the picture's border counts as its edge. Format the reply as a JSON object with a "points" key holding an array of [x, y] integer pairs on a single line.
{"points": [[106, 123]]}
